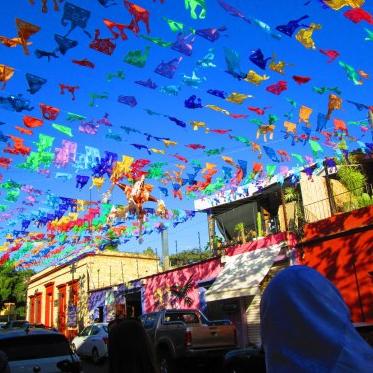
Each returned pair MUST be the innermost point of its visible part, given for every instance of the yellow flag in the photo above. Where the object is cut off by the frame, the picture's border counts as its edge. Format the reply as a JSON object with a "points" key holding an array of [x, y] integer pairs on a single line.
{"points": [[339, 4]]}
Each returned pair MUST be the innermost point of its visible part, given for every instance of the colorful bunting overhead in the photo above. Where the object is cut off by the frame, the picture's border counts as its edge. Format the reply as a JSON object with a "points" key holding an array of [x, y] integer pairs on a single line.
{"points": [[100, 86]]}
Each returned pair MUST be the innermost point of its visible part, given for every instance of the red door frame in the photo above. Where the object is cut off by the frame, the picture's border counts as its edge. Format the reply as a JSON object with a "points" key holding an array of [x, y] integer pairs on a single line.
{"points": [[31, 316], [49, 305], [38, 300], [73, 300], [74, 292], [62, 308]]}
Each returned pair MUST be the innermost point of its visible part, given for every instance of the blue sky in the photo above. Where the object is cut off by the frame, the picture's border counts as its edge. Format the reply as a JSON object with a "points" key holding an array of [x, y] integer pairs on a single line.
{"points": [[337, 33]]}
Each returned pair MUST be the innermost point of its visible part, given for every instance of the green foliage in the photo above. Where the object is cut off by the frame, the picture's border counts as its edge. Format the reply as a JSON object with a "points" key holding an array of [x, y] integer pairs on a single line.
{"points": [[358, 202], [352, 178], [240, 228], [13, 286], [290, 194], [149, 251], [189, 256], [364, 200]]}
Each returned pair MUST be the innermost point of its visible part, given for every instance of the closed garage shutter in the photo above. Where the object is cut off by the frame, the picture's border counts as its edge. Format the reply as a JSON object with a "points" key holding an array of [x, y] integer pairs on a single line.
{"points": [[253, 320], [253, 311]]}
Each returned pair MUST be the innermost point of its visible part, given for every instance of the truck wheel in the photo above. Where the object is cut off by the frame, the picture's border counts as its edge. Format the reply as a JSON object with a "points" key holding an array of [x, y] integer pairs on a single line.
{"points": [[165, 362]]}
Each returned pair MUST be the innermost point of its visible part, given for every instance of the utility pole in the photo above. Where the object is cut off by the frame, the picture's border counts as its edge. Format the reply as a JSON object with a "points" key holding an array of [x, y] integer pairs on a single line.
{"points": [[156, 253], [176, 246], [72, 270], [199, 245]]}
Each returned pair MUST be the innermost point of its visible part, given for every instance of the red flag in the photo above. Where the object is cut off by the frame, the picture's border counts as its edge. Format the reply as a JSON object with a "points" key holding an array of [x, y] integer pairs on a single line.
{"points": [[195, 146], [357, 15], [32, 122], [301, 79], [278, 87], [332, 54], [49, 112], [25, 131], [85, 63]]}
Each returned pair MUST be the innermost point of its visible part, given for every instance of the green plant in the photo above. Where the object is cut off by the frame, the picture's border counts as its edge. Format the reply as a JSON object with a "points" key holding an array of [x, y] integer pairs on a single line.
{"points": [[259, 224], [364, 200], [291, 194], [352, 178], [240, 229]]}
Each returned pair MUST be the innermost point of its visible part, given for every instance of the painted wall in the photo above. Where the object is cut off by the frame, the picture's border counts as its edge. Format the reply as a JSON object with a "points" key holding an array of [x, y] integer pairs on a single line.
{"points": [[341, 249], [100, 270], [157, 292]]}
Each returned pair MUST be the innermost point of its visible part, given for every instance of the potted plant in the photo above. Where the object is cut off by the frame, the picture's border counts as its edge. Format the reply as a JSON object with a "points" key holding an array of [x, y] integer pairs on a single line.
{"points": [[240, 229]]}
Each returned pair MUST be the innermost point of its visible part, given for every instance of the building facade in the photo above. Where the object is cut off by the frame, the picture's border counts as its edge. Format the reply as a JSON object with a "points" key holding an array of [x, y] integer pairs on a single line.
{"points": [[341, 249], [223, 287], [58, 296]]}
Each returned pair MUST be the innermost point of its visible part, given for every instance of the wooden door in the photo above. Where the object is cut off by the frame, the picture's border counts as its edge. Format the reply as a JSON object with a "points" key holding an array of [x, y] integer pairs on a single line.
{"points": [[62, 309], [31, 316], [49, 305], [38, 299]]}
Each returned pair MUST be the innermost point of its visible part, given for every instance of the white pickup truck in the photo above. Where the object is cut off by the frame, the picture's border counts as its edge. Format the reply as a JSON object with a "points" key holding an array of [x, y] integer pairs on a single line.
{"points": [[180, 334]]}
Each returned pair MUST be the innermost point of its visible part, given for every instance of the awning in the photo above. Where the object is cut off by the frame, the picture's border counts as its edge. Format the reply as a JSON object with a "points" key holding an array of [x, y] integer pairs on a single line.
{"points": [[242, 274]]}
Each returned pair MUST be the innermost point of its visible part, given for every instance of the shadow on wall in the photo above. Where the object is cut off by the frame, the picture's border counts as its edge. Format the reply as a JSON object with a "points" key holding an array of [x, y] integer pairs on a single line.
{"points": [[345, 259]]}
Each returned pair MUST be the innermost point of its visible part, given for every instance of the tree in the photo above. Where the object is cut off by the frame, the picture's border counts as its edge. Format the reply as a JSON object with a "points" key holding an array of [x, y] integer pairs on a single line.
{"points": [[149, 251], [189, 256], [13, 287]]}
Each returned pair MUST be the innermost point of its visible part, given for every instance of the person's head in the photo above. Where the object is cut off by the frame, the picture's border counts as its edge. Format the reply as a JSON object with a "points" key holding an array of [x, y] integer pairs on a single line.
{"points": [[305, 326], [130, 349], [120, 311]]}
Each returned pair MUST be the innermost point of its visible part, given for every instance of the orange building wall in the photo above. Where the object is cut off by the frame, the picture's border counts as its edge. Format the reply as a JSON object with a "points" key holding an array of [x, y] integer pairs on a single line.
{"points": [[341, 248]]}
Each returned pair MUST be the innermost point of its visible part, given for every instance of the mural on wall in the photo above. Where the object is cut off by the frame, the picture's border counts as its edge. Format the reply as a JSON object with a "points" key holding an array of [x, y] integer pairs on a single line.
{"points": [[108, 300], [175, 296], [179, 288]]}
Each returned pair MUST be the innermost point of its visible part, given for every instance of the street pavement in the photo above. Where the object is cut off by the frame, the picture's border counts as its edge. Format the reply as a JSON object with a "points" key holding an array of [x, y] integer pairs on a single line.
{"points": [[89, 367]]}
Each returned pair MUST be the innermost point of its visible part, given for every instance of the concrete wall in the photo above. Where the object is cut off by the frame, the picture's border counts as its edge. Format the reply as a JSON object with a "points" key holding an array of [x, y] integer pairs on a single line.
{"points": [[341, 249], [94, 271], [315, 198]]}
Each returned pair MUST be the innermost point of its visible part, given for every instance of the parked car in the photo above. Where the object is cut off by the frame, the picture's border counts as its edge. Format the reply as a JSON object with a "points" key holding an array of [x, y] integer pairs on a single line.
{"points": [[180, 334], [2, 324], [38, 350], [250, 359], [23, 324], [92, 342]]}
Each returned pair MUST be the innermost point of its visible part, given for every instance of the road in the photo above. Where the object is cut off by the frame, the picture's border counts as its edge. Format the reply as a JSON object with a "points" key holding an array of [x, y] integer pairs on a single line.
{"points": [[89, 367]]}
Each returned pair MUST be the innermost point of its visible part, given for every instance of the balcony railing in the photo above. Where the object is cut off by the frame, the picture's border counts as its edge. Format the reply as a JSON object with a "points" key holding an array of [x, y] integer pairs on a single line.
{"points": [[339, 202]]}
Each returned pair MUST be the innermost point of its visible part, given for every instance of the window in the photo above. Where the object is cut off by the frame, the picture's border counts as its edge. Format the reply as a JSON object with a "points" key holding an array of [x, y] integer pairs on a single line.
{"points": [[148, 321], [16, 324], [85, 332], [187, 317], [38, 346], [95, 330], [100, 314], [105, 328]]}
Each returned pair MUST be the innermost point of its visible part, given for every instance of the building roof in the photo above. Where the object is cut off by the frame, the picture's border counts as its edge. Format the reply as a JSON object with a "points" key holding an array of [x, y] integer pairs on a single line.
{"points": [[50, 270]]}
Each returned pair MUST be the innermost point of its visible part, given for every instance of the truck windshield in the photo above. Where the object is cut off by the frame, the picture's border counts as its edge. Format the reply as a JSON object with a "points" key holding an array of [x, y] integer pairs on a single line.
{"points": [[204, 319], [186, 317]]}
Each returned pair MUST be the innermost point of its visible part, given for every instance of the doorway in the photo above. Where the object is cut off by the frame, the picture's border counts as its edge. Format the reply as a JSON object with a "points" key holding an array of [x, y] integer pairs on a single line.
{"points": [[62, 308]]}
